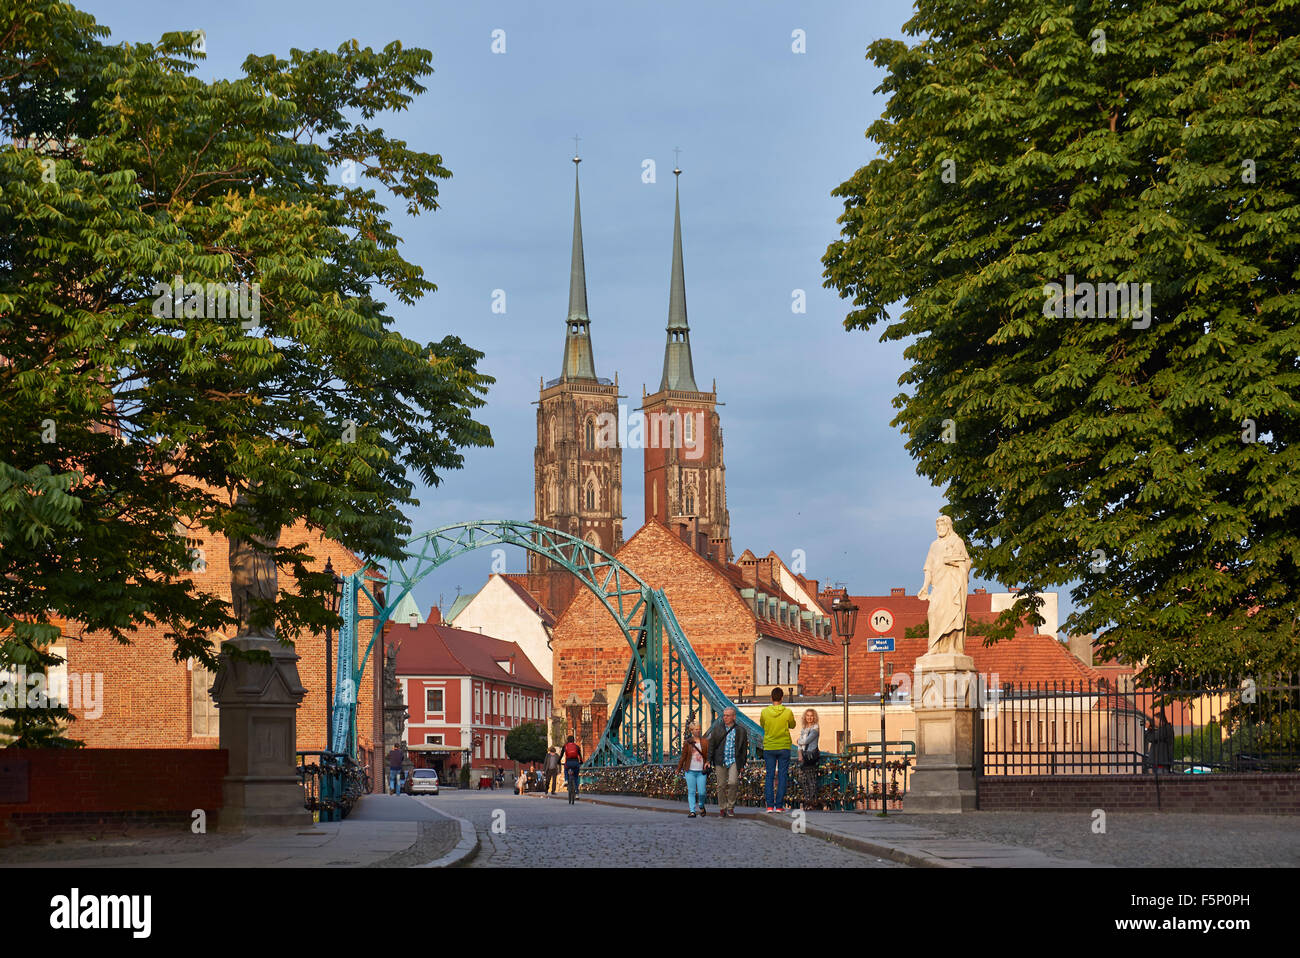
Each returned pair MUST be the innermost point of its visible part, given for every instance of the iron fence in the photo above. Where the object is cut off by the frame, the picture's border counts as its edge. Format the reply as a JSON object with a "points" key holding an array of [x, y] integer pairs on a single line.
{"points": [[855, 781], [1212, 725], [331, 785]]}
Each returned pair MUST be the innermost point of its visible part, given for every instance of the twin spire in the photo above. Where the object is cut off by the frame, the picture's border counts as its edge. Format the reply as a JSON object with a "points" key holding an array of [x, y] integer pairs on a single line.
{"points": [[578, 360], [579, 363]]}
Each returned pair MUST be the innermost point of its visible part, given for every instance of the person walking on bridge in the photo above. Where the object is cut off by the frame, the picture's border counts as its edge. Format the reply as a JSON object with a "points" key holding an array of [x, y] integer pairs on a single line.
{"points": [[552, 769], [728, 747], [694, 764]]}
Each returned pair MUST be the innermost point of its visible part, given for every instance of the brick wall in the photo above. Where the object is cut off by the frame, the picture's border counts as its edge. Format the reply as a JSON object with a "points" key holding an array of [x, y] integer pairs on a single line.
{"points": [[1256, 794], [110, 789], [591, 653], [146, 693]]}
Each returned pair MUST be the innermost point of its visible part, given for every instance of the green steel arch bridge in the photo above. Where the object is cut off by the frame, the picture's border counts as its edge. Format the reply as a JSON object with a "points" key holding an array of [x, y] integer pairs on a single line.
{"points": [[660, 693]]}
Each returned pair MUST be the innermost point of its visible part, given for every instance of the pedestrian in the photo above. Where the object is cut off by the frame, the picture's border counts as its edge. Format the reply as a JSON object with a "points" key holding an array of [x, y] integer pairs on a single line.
{"points": [[572, 762], [728, 747], [694, 763], [777, 720], [552, 769], [395, 769], [809, 757]]}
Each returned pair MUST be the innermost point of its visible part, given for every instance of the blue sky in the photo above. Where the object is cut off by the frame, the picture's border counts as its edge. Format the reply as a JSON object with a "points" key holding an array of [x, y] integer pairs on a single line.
{"points": [[765, 134]]}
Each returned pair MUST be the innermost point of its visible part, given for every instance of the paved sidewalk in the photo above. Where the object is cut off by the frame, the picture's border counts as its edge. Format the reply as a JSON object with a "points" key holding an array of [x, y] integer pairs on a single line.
{"points": [[383, 831], [918, 845]]}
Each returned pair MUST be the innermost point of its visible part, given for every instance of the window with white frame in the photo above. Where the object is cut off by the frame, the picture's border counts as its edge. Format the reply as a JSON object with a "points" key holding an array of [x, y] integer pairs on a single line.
{"points": [[433, 701], [433, 740]]}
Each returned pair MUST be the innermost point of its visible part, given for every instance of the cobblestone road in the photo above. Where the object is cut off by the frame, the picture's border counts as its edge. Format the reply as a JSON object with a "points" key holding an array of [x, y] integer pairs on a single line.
{"points": [[548, 833]]}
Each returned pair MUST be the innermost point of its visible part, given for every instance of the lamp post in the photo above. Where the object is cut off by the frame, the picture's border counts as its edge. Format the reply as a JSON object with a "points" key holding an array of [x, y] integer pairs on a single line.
{"points": [[332, 603], [846, 620]]}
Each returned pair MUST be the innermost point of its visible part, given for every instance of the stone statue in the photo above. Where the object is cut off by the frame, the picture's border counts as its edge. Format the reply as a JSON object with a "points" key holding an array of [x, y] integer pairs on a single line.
{"points": [[253, 580], [947, 567]]}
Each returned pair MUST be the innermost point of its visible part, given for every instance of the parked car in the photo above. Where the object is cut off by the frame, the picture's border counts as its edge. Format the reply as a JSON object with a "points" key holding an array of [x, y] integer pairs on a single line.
{"points": [[421, 781]]}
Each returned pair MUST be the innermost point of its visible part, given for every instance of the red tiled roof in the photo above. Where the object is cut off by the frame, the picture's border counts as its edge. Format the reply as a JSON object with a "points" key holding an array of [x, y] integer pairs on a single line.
{"points": [[1027, 657], [431, 649], [528, 598]]}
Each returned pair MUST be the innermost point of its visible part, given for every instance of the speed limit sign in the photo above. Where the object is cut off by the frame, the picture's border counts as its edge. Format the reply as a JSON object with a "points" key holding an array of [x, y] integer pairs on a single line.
{"points": [[881, 620]]}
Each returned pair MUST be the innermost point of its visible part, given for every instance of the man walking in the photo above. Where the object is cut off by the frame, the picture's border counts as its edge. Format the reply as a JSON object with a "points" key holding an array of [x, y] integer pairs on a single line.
{"points": [[552, 769], [728, 747], [395, 769]]}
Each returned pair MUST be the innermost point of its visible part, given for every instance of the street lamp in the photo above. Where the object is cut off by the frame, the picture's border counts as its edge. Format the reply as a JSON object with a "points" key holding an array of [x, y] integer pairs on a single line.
{"points": [[846, 620], [332, 603]]}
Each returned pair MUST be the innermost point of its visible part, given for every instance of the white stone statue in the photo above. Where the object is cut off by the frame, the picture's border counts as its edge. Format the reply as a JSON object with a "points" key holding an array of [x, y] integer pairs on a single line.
{"points": [[947, 571]]}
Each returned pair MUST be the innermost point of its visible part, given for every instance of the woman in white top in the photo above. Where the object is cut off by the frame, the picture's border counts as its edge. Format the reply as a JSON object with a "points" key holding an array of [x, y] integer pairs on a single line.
{"points": [[693, 764], [809, 756]]}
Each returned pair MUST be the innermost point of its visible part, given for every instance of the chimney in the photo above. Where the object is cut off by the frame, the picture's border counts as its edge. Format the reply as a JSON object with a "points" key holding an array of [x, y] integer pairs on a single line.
{"points": [[435, 616], [1081, 647], [981, 591], [812, 586], [897, 592]]}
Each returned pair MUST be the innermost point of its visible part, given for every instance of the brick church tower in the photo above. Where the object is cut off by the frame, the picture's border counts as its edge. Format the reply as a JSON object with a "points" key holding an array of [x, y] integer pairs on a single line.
{"points": [[578, 472], [685, 479]]}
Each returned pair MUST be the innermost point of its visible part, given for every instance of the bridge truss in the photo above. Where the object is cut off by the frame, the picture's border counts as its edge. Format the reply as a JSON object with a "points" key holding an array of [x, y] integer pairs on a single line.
{"points": [[665, 687]]}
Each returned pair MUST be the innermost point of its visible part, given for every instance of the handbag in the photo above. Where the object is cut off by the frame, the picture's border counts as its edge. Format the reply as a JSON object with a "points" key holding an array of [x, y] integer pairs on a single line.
{"points": [[811, 756]]}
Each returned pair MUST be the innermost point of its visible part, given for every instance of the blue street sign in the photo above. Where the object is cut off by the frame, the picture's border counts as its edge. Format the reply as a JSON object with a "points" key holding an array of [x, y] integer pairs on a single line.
{"points": [[881, 645]]}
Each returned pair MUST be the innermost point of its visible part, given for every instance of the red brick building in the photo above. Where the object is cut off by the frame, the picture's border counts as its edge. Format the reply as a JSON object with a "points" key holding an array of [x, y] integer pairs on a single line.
{"points": [[740, 618], [463, 690], [152, 701]]}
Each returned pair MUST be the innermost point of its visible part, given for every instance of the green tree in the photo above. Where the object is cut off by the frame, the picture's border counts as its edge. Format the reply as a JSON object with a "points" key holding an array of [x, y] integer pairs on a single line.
{"points": [[1150, 460], [527, 742], [140, 400]]}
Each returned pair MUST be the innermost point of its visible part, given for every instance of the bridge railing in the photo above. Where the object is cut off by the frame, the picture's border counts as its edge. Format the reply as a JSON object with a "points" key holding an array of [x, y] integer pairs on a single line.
{"points": [[855, 781], [332, 784]]}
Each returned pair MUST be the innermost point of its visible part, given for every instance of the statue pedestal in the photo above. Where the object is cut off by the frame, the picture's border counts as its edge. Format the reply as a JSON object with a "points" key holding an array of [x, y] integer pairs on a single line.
{"points": [[946, 706], [257, 707]]}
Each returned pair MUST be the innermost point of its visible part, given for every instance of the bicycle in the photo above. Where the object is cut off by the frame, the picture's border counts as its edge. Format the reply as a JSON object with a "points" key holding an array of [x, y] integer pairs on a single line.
{"points": [[571, 780]]}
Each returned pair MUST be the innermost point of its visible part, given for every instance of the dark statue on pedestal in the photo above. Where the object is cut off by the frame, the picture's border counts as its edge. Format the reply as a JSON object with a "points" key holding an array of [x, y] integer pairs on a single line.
{"points": [[253, 579]]}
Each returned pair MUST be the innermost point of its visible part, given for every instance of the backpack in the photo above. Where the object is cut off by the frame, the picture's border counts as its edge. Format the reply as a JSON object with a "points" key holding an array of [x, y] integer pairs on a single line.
{"points": [[571, 751]]}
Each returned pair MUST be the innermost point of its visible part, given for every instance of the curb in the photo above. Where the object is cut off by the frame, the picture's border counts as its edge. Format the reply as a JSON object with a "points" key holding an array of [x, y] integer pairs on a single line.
{"points": [[877, 849], [465, 849]]}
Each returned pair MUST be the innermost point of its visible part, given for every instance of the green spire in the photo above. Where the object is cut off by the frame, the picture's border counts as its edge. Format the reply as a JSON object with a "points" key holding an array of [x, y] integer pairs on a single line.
{"points": [[679, 373], [578, 361]]}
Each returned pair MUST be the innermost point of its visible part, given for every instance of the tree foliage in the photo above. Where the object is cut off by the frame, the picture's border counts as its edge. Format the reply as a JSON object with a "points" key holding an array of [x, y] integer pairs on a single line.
{"points": [[130, 420], [527, 742], [1025, 142]]}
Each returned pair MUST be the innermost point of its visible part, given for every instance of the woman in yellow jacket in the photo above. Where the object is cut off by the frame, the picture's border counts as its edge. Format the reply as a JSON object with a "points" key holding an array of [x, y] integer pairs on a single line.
{"points": [[777, 720]]}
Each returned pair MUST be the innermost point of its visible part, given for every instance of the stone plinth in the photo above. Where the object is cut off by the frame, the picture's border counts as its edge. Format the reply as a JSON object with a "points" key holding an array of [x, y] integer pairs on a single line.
{"points": [[946, 707], [257, 706]]}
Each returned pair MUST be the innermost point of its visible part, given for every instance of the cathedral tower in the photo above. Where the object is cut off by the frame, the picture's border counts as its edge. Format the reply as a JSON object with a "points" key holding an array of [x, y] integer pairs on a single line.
{"points": [[578, 469], [685, 479]]}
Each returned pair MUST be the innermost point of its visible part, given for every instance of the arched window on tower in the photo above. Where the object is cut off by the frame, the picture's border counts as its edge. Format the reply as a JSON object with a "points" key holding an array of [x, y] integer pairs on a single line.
{"points": [[688, 427], [654, 495], [591, 497], [690, 503], [591, 433]]}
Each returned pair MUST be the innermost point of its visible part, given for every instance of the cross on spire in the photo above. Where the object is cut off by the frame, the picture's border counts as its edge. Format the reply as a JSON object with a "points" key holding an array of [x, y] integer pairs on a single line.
{"points": [[576, 157], [677, 161]]}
